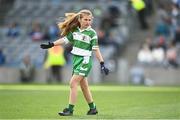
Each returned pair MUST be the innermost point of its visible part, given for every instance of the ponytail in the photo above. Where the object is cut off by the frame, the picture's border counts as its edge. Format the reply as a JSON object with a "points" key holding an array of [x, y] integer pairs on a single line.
{"points": [[71, 21]]}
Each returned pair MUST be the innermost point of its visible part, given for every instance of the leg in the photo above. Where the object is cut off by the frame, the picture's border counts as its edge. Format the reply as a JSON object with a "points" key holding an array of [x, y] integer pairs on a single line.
{"points": [[51, 74], [54, 71], [57, 70], [72, 95], [74, 87], [142, 19], [88, 96], [86, 91]]}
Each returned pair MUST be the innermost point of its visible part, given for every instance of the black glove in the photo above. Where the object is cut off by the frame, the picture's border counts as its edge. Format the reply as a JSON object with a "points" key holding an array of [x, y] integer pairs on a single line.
{"points": [[104, 69], [47, 45]]}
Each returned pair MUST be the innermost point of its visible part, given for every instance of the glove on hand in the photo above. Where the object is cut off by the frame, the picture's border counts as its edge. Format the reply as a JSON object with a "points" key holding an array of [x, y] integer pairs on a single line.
{"points": [[104, 69], [47, 45]]}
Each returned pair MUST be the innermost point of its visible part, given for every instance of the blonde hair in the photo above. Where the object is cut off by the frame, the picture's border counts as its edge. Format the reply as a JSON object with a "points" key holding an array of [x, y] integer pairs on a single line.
{"points": [[72, 21]]}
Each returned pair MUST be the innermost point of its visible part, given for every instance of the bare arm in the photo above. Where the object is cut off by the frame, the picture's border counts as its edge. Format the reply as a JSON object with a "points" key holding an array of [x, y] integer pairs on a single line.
{"points": [[59, 42], [98, 55], [55, 43], [101, 60]]}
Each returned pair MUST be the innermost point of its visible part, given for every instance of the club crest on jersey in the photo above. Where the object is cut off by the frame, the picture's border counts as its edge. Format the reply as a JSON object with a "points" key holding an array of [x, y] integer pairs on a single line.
{"points": [[83, 37]]}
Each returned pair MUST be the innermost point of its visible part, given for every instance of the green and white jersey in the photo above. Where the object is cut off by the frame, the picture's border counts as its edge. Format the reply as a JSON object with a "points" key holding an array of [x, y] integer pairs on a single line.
{"points": [[84, 41]]}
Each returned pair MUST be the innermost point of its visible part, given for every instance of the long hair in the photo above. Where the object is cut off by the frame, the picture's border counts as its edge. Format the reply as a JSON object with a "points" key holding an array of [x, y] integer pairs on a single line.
{"points": [[72, 21]]}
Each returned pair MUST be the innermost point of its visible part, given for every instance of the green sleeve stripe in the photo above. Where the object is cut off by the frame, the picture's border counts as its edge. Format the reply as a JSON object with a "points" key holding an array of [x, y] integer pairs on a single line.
{"points": [[95, 37], [94, 42], [69, 36]]}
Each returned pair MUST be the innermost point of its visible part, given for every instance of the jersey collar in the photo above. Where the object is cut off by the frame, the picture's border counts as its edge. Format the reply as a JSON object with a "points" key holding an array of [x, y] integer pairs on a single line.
{"points": [[88, 28]]}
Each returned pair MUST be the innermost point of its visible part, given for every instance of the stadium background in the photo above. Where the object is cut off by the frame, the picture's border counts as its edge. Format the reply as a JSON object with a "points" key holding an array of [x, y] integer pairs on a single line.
{"points": [[120, 53], [133, 89]]}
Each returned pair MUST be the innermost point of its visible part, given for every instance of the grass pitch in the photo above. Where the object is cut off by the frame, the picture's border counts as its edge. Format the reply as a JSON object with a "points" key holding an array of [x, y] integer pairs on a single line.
{"points": [[113, 102]]}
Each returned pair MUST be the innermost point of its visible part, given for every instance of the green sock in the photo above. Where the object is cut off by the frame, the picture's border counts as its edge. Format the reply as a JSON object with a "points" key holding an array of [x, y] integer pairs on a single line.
{"points": [[92, 105], [70, 107]]}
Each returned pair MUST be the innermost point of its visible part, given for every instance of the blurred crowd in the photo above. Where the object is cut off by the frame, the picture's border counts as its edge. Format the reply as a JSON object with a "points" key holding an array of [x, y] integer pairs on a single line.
{"points": [[163, 47], [36, 32]]}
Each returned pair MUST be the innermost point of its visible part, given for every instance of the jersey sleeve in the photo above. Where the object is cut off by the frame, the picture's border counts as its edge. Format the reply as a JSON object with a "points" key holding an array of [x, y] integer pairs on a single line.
{"points": [[68, 38], [94, 41]]}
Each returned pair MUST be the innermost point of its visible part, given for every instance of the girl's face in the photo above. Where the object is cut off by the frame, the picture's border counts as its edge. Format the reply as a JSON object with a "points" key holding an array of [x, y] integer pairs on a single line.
{"points": [[85, 21]]}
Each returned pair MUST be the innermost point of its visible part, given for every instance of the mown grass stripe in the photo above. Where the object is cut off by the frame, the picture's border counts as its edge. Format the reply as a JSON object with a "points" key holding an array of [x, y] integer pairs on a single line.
{"points": [[93, 88]]}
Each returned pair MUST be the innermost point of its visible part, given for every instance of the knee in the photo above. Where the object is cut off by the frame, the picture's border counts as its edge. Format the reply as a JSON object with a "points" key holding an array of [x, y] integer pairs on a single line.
{"points": [[73, 84], [84, 86]]}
